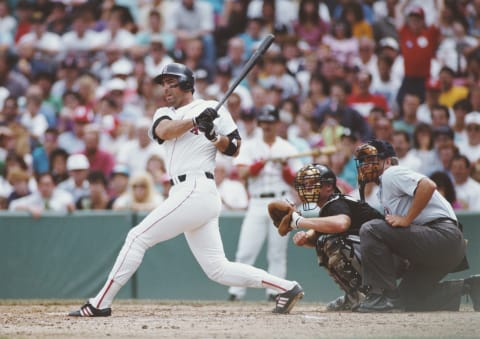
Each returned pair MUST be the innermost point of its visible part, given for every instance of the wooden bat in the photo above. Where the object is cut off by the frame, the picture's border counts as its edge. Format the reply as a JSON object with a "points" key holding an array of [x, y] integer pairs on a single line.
{"points": [[266, 42], [325, 150]]}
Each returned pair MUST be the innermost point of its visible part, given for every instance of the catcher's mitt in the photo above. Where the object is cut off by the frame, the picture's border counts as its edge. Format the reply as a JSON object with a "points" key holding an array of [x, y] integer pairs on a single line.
{"points": [[281, 213]]}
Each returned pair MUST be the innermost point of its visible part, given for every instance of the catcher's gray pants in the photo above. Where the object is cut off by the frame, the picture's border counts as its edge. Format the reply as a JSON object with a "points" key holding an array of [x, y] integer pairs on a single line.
{"points": [[432, 251]]}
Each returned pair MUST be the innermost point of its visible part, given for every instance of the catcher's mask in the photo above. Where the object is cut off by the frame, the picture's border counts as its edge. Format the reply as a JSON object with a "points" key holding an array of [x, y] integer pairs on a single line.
{"points": [[309, 180], [368, 156]]}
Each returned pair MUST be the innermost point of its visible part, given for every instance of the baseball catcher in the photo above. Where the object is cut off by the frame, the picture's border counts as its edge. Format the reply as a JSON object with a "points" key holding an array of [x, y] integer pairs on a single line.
{"points": [[334, 233]]}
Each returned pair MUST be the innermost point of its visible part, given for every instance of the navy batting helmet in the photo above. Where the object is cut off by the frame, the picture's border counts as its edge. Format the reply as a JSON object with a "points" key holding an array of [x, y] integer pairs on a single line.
{"points": [[186, 79]]}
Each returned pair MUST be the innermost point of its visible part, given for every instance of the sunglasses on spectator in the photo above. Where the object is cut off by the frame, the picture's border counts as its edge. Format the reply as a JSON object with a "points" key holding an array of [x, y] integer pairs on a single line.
{"points": [[473, 128]]}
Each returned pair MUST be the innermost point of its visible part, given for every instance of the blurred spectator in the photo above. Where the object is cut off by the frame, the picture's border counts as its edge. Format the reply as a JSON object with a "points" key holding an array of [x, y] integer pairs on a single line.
{"points": [[446, 153], [73, 140], [363, 100], [409, 107], [343, 113], [367, 59], [97, 197], [77, 183], [102, 66], [450, 93], [460, 109], [8, 24], [418, 43], [252, 34], [98, 158], [201, 84], [281, 78], [423, 148], [58, 165], [318, 91], [81, 38], [140, 196], [384, 23], [156, 168], [385, 83], [41, 153], [118, 183], [155, 31], [135, 153], [23, 11], [432, 96], [309, 25], [471, 147], [347, 146], [340, 6], [467, 189], [47, 198], [231, 22], [18, 179], [193, 19], [401, 144], [278, 12], [340, 42], [390, 47], [440, 116], [353, 14], [453, 50], [117, 30], [15, 82], [67, 76], [383, 128], [156, 57], [59, 20], [31, 118], [445, 187], [235, 56]]}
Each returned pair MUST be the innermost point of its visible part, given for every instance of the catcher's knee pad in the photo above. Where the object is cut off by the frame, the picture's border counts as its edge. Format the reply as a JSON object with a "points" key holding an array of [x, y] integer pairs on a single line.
{"points": [[340, 255]]}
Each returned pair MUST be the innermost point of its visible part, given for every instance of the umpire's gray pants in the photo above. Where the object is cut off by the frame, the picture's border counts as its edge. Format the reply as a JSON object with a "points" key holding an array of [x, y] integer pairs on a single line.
{"points": [[433, 251]]}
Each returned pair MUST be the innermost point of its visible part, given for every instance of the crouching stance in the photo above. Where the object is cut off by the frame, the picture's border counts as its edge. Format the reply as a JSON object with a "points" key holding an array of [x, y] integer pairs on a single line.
{"points": [[334, 234]]}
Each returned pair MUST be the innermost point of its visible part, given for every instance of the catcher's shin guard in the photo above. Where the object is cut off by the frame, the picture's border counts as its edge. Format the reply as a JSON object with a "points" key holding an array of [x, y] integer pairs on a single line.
{"points": [[338, 255]]}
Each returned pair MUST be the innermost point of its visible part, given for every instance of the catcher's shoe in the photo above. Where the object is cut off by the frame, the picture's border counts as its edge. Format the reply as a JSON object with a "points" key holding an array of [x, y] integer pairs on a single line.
{"points": [[376, 303], [233, 297], [342, 303], [88, 310], [472, 287], [285, 301]]}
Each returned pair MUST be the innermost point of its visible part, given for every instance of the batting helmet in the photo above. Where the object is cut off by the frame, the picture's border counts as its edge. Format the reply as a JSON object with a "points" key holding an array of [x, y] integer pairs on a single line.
{"points": [[268, 113], [310, 179], [186, 79]]}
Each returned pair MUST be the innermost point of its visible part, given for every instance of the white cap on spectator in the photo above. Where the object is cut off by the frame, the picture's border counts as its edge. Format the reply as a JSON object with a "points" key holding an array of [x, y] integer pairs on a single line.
{"points": [[77, 162], [472, 118], [116, 84], [389, 42], [122, 67]]}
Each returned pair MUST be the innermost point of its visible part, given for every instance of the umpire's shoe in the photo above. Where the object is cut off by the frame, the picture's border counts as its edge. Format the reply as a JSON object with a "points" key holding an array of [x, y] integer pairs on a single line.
{"points": [[342, 303], [376, 303], [88, 310], [285, 301], [472, 288]]}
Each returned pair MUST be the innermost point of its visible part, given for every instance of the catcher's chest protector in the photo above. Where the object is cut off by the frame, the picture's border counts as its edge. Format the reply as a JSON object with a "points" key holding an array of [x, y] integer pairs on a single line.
{"points": [[340, 255]]}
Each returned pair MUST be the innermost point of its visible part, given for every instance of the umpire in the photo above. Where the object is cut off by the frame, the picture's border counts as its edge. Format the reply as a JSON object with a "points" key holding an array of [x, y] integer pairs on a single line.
{"points": [[420, 226]]}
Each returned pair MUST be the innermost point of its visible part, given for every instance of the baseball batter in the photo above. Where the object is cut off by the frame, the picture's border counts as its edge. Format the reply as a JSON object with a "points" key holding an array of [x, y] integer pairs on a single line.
{"points": [[191, 132], [267, 180]]}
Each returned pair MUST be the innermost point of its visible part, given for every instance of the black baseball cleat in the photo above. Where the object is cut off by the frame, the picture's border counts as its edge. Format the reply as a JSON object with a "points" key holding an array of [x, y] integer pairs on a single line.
{"points": [[285, 301], [342, 303], [272, 297], [472, 287], [233, 297], [376, 303], [88, 310]]}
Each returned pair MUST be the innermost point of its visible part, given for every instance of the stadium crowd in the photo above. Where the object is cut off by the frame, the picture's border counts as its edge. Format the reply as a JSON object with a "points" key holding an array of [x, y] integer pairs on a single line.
{"points": [[77, 96]]}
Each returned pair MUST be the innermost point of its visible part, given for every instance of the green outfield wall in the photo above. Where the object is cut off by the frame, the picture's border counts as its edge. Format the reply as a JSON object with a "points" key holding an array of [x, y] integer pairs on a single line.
{"points": [[69, 256]]}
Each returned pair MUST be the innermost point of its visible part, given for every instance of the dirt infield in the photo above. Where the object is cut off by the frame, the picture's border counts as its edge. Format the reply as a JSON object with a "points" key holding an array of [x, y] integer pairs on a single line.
{"points": [[207, 319]]}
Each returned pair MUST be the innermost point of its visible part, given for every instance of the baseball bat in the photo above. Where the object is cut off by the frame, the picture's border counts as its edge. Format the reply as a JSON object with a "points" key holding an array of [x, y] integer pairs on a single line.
{"points": [[325, 150], [266, 42]]}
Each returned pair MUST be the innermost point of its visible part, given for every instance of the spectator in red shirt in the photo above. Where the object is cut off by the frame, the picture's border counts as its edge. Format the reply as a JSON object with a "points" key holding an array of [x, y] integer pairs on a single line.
{"points": [[100, 160], [363, 100], [418, 44]]}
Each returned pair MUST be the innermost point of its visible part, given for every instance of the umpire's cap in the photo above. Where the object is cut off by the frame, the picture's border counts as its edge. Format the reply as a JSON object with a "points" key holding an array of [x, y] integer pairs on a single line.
{"points": [[185, 76], [268, 113], [384, 148]]}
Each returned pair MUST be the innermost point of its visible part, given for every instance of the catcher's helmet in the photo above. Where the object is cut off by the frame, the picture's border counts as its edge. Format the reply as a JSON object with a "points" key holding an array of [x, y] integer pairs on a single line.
{"points": [[310, 179], [186, 79], [367, 158], [268, 113]]}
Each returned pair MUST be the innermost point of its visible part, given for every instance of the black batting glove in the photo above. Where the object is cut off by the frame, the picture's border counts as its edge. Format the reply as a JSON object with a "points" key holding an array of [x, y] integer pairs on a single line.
{"points": [[208, 115], [208, 130]]}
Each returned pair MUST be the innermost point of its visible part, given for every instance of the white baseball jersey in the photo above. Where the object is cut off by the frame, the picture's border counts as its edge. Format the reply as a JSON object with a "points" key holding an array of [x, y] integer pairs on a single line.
{"points": [[192, 152], [270, 177], [401, 184]]}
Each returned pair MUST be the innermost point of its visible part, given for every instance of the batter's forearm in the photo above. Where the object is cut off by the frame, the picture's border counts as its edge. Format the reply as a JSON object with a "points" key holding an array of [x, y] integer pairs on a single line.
{"points": [[170, 129]]}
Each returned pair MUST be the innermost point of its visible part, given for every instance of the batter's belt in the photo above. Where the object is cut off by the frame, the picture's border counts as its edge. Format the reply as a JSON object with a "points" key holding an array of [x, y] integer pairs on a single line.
{"points": [[181, 178]]}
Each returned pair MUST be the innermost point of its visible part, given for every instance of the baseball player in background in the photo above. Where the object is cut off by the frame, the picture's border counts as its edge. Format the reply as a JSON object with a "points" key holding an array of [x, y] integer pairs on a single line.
{"points": [[420, 226], [266, 180], [192, 132]]}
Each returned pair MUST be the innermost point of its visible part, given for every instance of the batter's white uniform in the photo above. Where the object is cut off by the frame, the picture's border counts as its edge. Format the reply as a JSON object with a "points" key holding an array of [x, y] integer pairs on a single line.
{"points": [[192, 208], [257, 226]]}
